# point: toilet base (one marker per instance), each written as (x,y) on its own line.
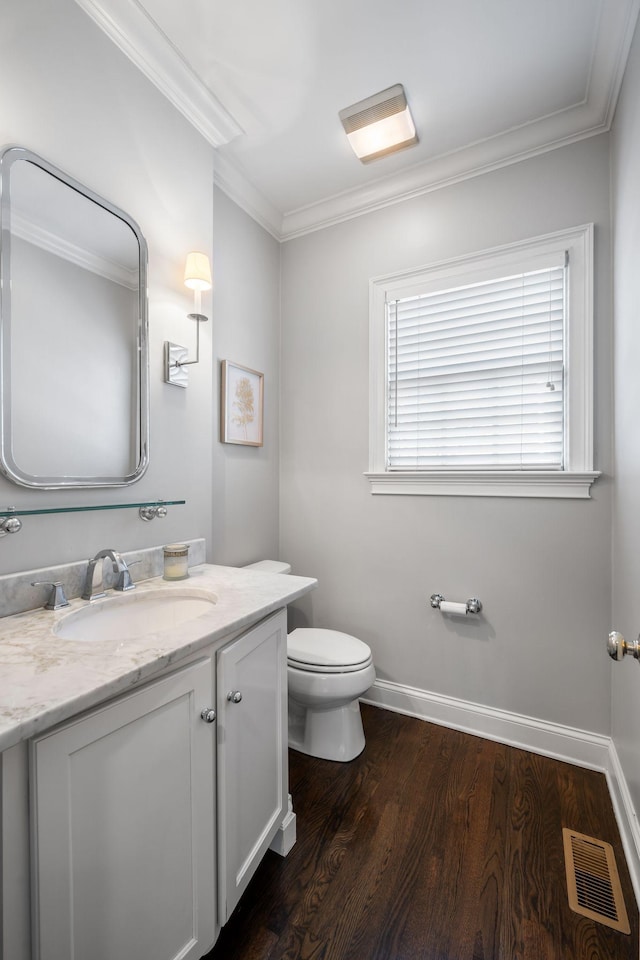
(334,733)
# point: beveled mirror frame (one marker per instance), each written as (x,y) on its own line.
(139,430)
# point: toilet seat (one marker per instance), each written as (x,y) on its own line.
(315,650)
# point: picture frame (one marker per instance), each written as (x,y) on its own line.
(241,405)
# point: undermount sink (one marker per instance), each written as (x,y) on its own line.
(134,615)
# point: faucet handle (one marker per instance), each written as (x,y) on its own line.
(124,581)
(57,598)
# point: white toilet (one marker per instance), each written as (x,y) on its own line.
(327,672)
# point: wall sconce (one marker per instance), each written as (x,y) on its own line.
(379,125)
(197,276)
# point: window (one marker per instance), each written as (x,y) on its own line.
(481,373)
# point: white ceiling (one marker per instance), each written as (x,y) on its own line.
(488,81)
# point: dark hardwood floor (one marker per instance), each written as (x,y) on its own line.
(432,845)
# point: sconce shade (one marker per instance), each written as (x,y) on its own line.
(379,125)
(197,272)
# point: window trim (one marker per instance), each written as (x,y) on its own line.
(575,480)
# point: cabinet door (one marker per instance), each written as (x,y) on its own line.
(252,753)
(123,812)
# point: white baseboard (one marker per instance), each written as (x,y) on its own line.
(550,739)
(625,815)
(580,747)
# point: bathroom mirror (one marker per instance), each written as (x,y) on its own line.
(73,332)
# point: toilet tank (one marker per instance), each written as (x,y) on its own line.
(269,566)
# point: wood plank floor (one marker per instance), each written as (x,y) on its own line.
(432,845)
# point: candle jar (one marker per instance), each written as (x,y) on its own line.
(176,561)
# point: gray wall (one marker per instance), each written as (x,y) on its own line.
(71,96)
(246,330)
(67,93)
(626,511)
(541,567)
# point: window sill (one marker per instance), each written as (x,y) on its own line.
(485,483)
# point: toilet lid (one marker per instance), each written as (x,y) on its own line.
(269,566)
(315,648)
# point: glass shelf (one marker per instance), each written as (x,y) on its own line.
(13,512)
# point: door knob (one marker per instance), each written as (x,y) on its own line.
(234,696)
(618,647)
(208,715)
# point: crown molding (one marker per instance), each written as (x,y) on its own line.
(139,37)
(515,145)
(238,188)
(522,143)
(611,51)
(594,115)
(26,229)
(505,149)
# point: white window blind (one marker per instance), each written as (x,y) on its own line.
(475,375)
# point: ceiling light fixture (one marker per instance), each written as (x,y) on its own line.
(379,125)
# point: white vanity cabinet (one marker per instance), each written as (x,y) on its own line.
(129,855)
(252,753)
(122,805)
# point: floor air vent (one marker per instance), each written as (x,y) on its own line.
(593,883)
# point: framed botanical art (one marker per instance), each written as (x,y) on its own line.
(241,405)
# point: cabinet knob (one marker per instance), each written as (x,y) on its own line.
(208,715)
(234,696)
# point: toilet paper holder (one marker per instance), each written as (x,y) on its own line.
(473,605)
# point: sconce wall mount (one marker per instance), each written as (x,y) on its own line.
(197,276)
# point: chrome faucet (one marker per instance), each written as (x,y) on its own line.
(92,590)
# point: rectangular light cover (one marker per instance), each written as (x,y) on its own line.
(382,137)
(379,125)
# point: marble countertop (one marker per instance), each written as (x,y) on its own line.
(45,679)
